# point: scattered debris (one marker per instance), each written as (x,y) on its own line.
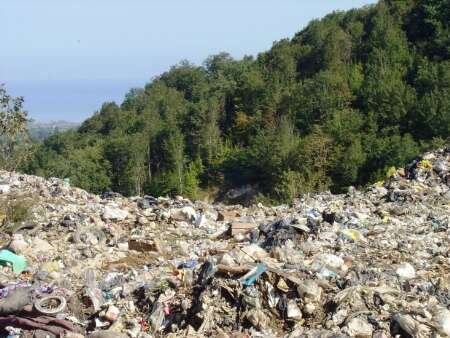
(373,263)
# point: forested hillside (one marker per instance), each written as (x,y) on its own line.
(343,100)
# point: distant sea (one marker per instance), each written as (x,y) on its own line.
(71,101)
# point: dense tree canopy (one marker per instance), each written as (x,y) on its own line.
(347,97)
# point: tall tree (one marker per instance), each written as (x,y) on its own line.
(14,140)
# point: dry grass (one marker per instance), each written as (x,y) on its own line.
(16,209)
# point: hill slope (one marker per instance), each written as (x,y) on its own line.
(372,263)
(343,100)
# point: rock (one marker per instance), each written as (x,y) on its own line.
(43,334)
(38,244)
(114,213)
(380,334)
(340,316)
(241,227)
(406,271)
(227,215)
(107,334)
(201,221)
(186,214)
(73,335)
(112,314)
(142,220)
(407,324)
(4,188)
(293,311)
(310,290)
(441,321)
(15,301)
(250,254)
(18,244)
(358,327)
(258,318)
(144,245)
(244,191)
(144,203)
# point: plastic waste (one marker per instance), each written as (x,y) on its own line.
(92,292)
(272,297)
(438,225)
(328,265)
(189,264)
(207,271)
(18,263)
(4,292)
(157,316)
(282,286)
(352,234)
(13,332)
(251,277)
(251,297)
(369,263)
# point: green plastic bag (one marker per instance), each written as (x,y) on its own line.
(18,263)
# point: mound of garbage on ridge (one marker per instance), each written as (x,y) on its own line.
(373,263)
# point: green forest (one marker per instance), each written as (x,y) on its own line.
(347,97)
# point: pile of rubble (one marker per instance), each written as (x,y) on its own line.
(364,264)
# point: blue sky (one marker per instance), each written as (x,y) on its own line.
(67,57)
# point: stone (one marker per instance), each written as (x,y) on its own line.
(186,214)
(39,244)
(358,327)
(227,215)
(293,311)
(441,321)
(114,213)
(201,221)
(406,271)
(18,244)
(143,245)
(5,188)
(309,289)
(112,313)
(241,227)
(107,334)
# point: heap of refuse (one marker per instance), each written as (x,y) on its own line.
(373,263)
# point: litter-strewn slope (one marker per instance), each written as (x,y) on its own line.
(366,264)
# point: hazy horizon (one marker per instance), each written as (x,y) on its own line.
(67,58)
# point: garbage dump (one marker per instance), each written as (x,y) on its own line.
(372,263)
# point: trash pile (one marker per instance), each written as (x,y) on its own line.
(373,263)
